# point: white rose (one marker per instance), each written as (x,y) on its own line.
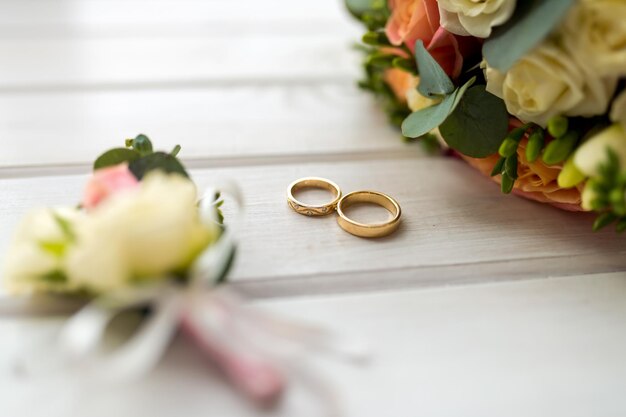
(475,18)
(143,233)
(594,32)
(35,258)
(548,82)
(618,110)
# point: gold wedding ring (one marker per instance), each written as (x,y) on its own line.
(309,209)
(371,229)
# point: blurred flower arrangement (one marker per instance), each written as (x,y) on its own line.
(144,252)
(138,222)
(531,93)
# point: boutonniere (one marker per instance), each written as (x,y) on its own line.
(143,242)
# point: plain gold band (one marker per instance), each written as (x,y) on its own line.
(308,209)
(372,229)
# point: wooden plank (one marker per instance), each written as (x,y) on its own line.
(456,228)
(32,64)
(214,125)
(100,16)
(540,347)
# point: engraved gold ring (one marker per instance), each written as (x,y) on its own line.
(369,229)
(309,209)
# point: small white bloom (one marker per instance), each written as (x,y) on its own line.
(475,18)
(548,82)
(591,154)
(35,256)
(594,32)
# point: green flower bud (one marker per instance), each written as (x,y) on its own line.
(375,39)
(381,60)
(559,149)
(510,166)
(508,147)
(141,144)
(404,64)
(603,220)
(507,184)
(497,168)
(557,126)
(570,176)
(534,146)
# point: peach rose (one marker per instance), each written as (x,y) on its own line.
(107,181)
(419,19)
(536,180)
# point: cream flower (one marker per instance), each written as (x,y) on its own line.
(594,32)
(547,82)
(475,18)
(35,257)
(143,233)
(591,154)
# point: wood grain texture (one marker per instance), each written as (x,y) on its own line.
(215,126)
(532,348)
(456,228)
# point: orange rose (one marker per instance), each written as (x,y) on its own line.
(419,19)
(536,180)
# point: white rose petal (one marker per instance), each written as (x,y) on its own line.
(548,82)
(142,233)
(475,18)
(27,261)
(591,154)
(594,32)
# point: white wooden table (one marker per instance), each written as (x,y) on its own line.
(263,93)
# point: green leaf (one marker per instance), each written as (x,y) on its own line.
(603,220)
(498,167)
(433,80)
(510,166)
(358,7)
(141,144)
(506,186)
(478,125)
(531,23)
(423,121)
(156,161)
(115,157)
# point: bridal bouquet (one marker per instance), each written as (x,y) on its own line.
(531,93)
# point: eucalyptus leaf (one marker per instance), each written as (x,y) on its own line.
(115,157)
(532,23)
(358,7)
(433,80)
(156,161)
(478,125)
(423,121)
(142,144)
